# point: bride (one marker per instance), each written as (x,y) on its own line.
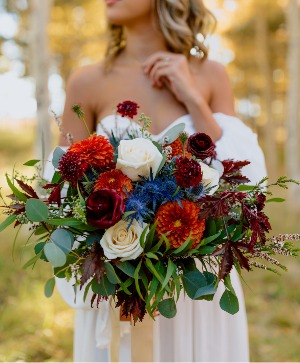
(148,61)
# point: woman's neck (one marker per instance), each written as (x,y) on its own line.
(141,41)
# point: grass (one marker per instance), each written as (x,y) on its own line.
(34,328)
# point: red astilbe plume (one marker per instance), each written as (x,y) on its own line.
(116,180)
(96,150)
(72,167)
(180,223)
(127,109)
(131,306)
(188,173)
(232,171)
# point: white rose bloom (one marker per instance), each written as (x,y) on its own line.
(210,177)
(137,156)
(121,241)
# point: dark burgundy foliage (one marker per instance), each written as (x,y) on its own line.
(54,196)
(127,109)
(99,299)
(93,264)
(214,207)
(188,172)
(18,208)
(104,208)
(131,305)
(28,189)
(226,262)
(232,172)
(201,146)
(243,260)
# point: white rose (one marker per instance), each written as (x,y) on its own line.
(121,241)
(210,178)
(137,156)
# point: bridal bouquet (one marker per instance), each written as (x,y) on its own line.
(140,220)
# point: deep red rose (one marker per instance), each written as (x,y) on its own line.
(201,146)
(104,208)
(188,172)
(127,109)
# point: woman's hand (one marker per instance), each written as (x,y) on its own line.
(173,71)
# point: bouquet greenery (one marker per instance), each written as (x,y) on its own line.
(140,221)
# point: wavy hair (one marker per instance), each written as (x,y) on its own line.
(180,22)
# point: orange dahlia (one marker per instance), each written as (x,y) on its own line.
(96,150)
(116,180)
(177,149)
(180,222)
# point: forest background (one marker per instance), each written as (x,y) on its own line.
(41,42)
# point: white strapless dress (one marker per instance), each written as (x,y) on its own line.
(200,331)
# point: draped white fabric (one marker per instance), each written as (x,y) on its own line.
(200,331)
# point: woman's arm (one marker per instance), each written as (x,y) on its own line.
(78,91)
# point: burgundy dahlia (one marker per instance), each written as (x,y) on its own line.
(127,109)
(72,167)
(188,172)
(201,146)
(104,208)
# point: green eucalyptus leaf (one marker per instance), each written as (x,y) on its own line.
(111,273)
(192,281)
(63,239)
(205,291)
(105,288)
(49,287)
(54,254)
(167,308)
(229,302)
(173,133)
(57,155)
(127,268)
(36,210)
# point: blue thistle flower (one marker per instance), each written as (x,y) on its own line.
(194,193)
(137,204)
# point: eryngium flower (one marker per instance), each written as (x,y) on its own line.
(188,172)
(104,208)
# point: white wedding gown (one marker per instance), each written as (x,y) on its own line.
(200,331)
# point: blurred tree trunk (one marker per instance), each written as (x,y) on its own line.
(263,63)
(293,118)
(40,10)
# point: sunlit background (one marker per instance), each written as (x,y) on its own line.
(41,42)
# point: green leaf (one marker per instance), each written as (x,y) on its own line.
(162,163)
(32,261)
(127,268)
(136,279)
(184,247)
(228,284)
(152,269)
(57,155)
(111,273)
(105,288)
(63,239)
(36,210)
(150,238)
(206,250)
(8,221)
(209,239)
(49,287)
(39,247)
(156,144)
(16,191)
(192,281)
(153,288)
(276,200)
(54,254)
(40,230)
(152,255)
(86,290)
(170,269)
(211,227)
(142,238)
(205,291)
(177,284)
(229,302)
(167,308)
(31,162)
(56,177)
(173,133)
(71,222)
(156,247)
(244,188)
(127,214)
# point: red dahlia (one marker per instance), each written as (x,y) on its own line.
(127,109)
(116,180)
(96,150)
(180,222)
(188,172)
(72,167)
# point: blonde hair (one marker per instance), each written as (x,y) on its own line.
(180,22)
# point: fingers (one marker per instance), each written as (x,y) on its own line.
(161,68)
(153,59)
